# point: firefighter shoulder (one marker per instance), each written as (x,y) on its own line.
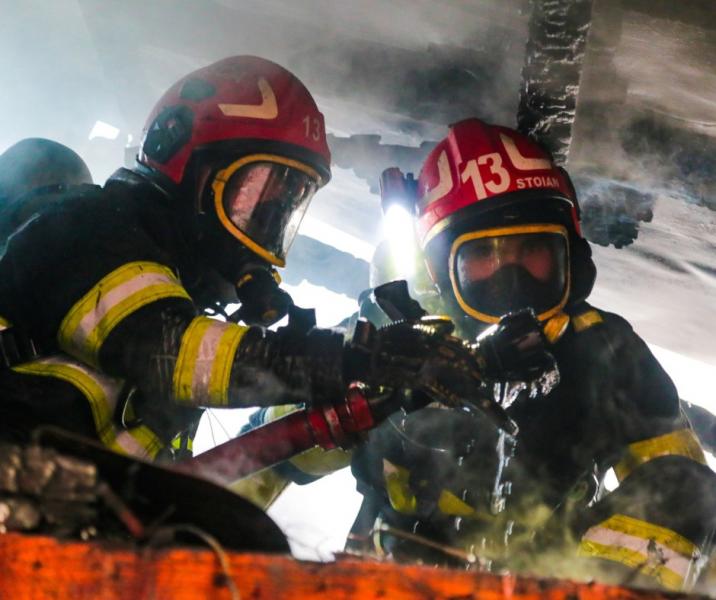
(498,224)
(104,290)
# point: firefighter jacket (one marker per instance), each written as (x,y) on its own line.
(102,280)
(454,479)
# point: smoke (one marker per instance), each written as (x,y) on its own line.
(646,114)
(612,210)
(436,84)
(656,158)
(684,160)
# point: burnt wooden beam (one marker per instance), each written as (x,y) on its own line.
(552,71)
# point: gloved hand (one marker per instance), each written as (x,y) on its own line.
(309,364)
(396,353)
(415,362)
(317,365)
(408,364)
(515,349)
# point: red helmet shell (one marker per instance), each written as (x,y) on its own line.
(237,98)
(477,162)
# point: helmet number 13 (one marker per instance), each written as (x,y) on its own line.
(312,127)
(499,180)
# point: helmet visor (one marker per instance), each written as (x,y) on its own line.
(495,272)
(262,201)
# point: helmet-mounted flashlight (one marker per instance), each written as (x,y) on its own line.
(398,195)
(398,189)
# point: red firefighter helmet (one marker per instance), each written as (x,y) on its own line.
(249,136)
(498,222)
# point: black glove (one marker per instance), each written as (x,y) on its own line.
(515,349)
(309,364)
(415,362)
(408,364)
(396,352)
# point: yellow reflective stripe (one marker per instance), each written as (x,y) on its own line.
(403,499)
(677,443)
(100,390)
(223,362)
(203,368)
(262,488)
(102,393)
(555,327)
(125,290)
(450,504)
(650,531)
(177,442)
(633,559)
(188,352)
(319,462)
(397,484)
(4,323)
(586,320)
(139,441)
(281,410)
(656,550)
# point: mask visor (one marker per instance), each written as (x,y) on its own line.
(498,271)
(262,199)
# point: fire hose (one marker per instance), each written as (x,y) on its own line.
(327,426)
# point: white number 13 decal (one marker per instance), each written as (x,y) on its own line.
(499,182)
(312,127)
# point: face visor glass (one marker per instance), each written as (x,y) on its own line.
(494,273)
(262,203)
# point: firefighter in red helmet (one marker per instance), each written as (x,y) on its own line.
(104,290)
(498,224)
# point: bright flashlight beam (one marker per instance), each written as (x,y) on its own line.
(398,230)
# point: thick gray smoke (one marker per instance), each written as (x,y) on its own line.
(646,114)
(663,159)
